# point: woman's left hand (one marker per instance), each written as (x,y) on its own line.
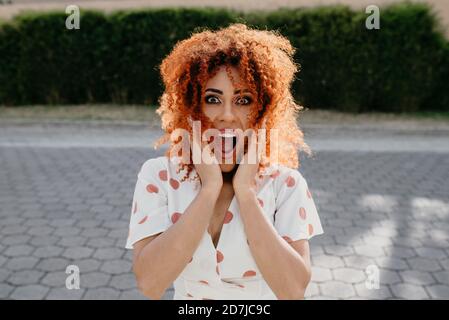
(245,177)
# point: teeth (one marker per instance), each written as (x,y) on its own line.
(227,135)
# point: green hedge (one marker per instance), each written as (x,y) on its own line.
(114,58)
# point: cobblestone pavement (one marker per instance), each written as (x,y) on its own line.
(65,198)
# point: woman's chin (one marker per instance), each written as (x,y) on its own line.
(225,167)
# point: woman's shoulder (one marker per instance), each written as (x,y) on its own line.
(282,172)
(157,166)
(284,178)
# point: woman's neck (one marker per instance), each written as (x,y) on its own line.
(227,176)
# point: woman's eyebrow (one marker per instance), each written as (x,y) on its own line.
(214,90)
(221,92)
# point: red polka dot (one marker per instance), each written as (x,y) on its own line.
(220,256)
(143,220)
(175,216)
(135,207)
(290,181)
(288,239)
(151,188)
(174,184)
(163,175)
(260,202)
(228,217)
(204,282)
(249,273)
(309,195)
(275,174)
(302,213)
(310,227)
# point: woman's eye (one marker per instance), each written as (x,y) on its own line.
(243,100)
(212,100)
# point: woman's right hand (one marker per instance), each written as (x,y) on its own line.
(208,169)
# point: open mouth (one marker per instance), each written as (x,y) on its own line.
(228,145)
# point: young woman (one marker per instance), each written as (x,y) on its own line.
(226,229)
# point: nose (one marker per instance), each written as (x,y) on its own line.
(227,114)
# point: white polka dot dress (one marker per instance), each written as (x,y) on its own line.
(229,270)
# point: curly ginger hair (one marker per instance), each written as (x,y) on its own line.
(265,63)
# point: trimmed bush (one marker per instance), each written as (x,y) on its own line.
(403,67)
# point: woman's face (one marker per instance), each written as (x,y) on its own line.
(227,109)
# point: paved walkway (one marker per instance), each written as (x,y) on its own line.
(66,190)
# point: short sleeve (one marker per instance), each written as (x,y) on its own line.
(149,212)
(296,216)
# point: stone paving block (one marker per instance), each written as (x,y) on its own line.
(4,274)
(392,263)
(399,252)
(417,277)
(409,291)
(11,230)
(55,279)
(30,292)
(62,222)
(320,274)
(94,232)
(88,265)
(116,266)
(423,264)
(369,251)
(312,290)
(373,294)
(338,250)
(15,239)
(18,250)
(442,277)
(108,253)
(431,253)
(5,290)
(44,240)
(35,222)
(48,252)
(65,294)
(67,231)
(53,264)
(88,223)
(3,259)
(123,281)
(94,279)
(72,241)
(358,262)
(337,289)
(348,275)
(77,253)
(132,294)
(438,291)
(445,264)
(389,276)
(376,240)
(101,294)
(327,261)
(21,263)
(40,231)
(25,277)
